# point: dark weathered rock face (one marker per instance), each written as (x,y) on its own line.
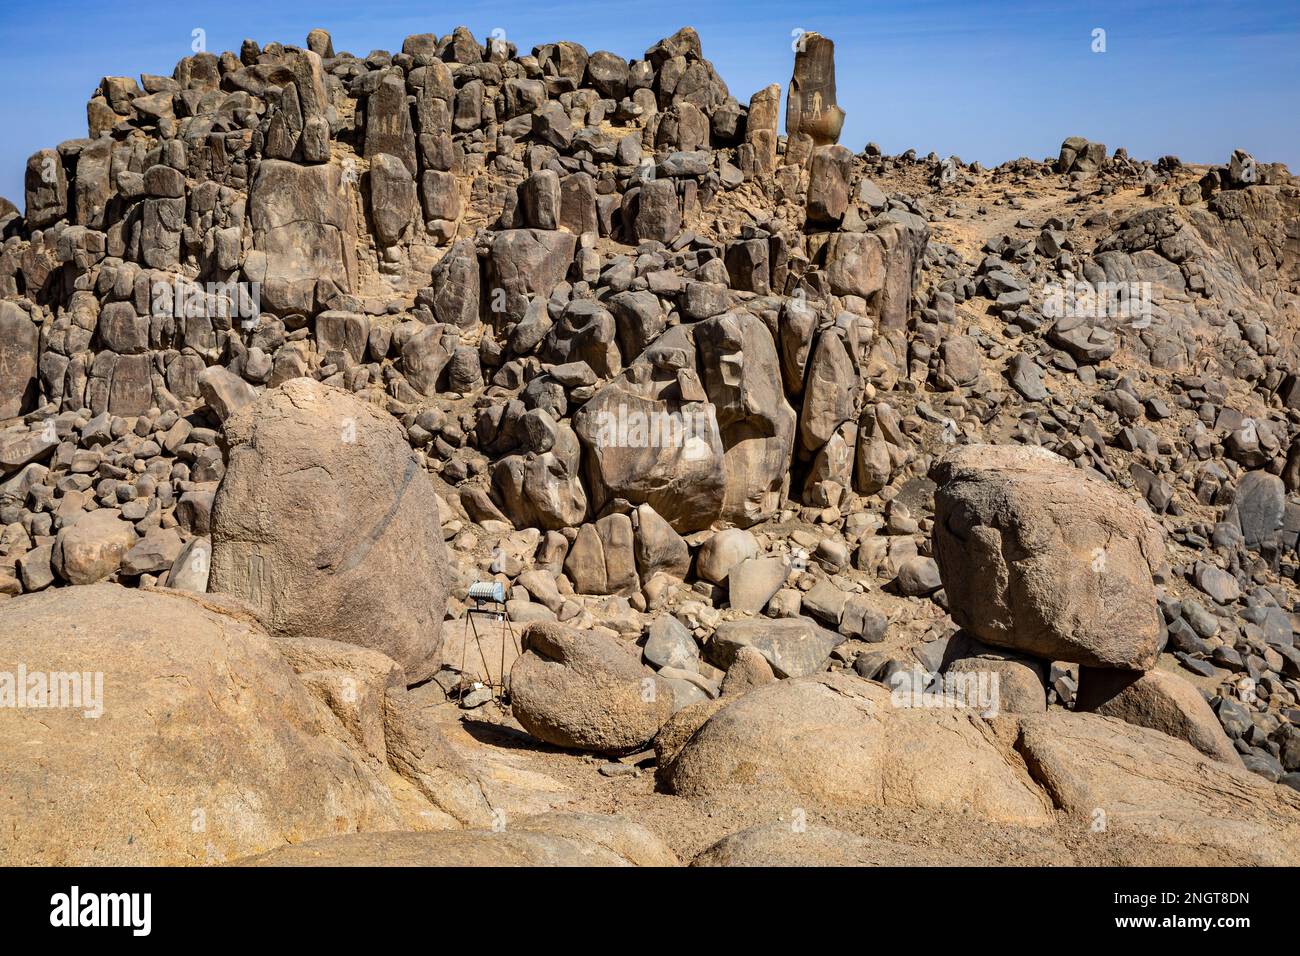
(225,263)
(811,108)
(19,352)
(303,231)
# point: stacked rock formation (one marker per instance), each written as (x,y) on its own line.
(761,436)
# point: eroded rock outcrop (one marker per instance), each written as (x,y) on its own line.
(732,414)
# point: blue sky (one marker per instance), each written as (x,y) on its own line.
(982,80)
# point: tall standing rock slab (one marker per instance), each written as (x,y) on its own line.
(392,198)
(523,263)
(131,393)
(328,526)
(454,286)
(1037,557)
(904,237)
(321,43)
(304,231)
(19,340)
(828,185)
(659,214)
(760,128)
(298,129)
(1259,507)
(741,373)
(810,106)
(647,440)
(681,478)
(94,187)
(388,123)
(830,392)
(46,186)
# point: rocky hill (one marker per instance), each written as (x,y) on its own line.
(847,508)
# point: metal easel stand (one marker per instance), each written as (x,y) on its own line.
(489,601)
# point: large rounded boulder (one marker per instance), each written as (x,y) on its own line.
(327,524)
(585,691)
(92,548)
(145,729)
(1038,557)
(835,740)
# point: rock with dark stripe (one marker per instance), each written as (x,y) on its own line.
(328,525)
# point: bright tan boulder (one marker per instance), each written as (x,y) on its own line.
(1104,773)
(549,839)
(749,669)
(627,838)
(679,728)
(326,523)
(792,646)
(468,848)
(208,746)
(724,551)
(1160,700)
(837,740)
(1020,681)
(93,548)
